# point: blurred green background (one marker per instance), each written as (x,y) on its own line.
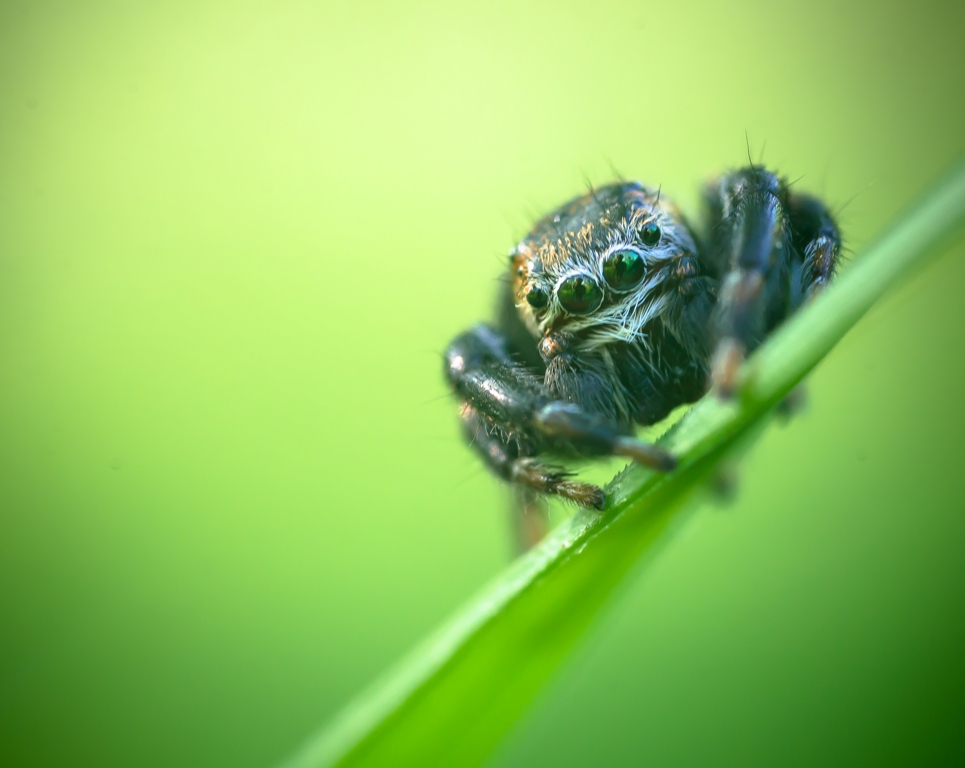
(234,240)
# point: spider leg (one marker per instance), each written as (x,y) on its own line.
(816,247)
(772,251)
(748,237)
(510,419)
(567,422)
(504,460)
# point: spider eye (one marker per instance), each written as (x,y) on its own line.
(537,298)
(650,234)
(623,269)
(579,295)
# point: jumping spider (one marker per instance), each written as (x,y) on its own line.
(617,311)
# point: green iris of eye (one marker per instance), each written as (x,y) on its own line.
(579,295)
(623,269)
(650,234)
(537,298)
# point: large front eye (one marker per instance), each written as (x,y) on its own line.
(579,295)
(623,269)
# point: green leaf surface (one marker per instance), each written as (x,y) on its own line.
(453,699)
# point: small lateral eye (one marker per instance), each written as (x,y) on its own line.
(623,269)
(579,295)
(650,234)
(537,297)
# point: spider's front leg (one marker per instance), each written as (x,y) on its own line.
(507,454)
(510,419)
(772,250)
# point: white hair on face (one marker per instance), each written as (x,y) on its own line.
(623,316)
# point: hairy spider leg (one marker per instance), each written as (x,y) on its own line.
(772,250)
(503,459)
(509,419)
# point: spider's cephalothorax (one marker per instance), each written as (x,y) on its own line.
(616,312)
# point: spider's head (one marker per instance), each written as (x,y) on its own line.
(602,266)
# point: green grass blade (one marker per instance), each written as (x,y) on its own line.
(452,700)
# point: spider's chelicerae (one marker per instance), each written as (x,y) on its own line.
(617,311)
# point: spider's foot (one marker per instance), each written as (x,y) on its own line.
(541,477)
(728,358)
(584,494)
